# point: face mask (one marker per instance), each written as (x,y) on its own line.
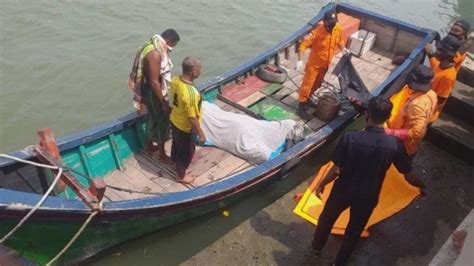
(329,26)
(457,31)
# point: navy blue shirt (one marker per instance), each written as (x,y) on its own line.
(364,157)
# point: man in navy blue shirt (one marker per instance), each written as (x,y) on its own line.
(361,160)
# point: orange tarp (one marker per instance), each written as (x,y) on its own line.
(396,194)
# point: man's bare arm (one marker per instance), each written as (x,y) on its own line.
(152,73)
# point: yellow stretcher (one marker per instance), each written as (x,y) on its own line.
(395,195)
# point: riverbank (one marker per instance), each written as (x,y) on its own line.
(275,236)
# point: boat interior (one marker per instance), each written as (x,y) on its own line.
(132,173)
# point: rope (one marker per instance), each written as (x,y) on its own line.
(28,162)
(73,239)
(292,81)
(40,202)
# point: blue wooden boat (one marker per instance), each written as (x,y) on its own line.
(141,195)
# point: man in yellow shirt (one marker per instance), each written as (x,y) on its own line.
(186,117)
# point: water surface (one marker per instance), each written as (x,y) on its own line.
(64,64)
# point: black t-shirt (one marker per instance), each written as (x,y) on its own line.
(364,157)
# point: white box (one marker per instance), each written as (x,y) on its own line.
(361,42)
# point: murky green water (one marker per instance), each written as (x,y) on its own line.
(64,65)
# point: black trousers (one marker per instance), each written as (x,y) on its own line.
(360,212)
(182,148)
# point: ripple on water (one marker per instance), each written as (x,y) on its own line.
(71,59)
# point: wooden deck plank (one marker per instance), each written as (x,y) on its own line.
(227,107)
(221,170)
(291,100)
(294,83)
(238,170)
(111,195)
(137,176)
(206,158)
(315,124)
(283,93)
(159,174)
(379,58)
(237,92)
(120,180)
(272,88)
(243,167)
(251,99)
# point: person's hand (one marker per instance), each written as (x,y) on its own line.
(357,104)
(166,107)
(458,238)
(202,139)
(346,51)
(354,101)
(319,190)
(299,65)
(389,131)
(141,109)
(402,134)
(430,49)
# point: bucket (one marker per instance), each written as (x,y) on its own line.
(328,107)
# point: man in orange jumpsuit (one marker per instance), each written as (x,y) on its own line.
(411,121)
(323,41)
(460,30)
(444,70)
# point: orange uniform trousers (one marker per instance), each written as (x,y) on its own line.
(323,46)
(312,80)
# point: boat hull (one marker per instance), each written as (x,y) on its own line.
(46,236)
(59,218)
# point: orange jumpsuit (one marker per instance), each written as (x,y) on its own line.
(443,83)
(415,115)
(323,46)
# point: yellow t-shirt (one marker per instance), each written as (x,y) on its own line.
(186,103)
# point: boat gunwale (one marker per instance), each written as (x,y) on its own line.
(208,191)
